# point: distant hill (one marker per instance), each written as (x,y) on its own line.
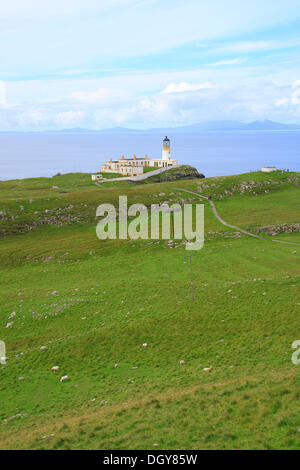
(212,126)
(233,126)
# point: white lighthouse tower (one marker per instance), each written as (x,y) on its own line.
(166,150)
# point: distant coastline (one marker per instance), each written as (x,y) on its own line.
(209,126)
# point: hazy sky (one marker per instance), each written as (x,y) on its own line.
(147,63)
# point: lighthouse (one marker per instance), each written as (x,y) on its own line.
(166,150)
(135,166)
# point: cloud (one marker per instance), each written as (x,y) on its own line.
(2,92)
(56,8)
(224,63)
(281,102)
(45,36)
(102,95)
(147,63)
(3,96)
(184,87)
(296,93)
(256,46)
(152,99)
(70,118)
(292,99)
(236,102)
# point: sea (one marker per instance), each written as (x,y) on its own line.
(212,153)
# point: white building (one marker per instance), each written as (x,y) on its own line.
(97,177)
(135,166)
(268,169)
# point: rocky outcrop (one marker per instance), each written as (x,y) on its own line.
(276,229)
(176,173)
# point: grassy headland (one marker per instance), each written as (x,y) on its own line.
(88,306)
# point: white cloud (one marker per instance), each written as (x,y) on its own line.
(3,96)
(296,93)
(44,36)
(70,117)
(55,8)
(292,99)
(102,95)
(256,46)
(242,102)
(183,87)
(224,63)
(187,97)
(3,93)
(281,102)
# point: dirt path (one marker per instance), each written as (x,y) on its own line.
(142,177)
(219,218)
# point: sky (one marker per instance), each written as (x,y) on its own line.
(147,63)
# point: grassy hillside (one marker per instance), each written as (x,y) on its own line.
(88,306)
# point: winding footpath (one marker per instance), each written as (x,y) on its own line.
(142,177)
(219,218)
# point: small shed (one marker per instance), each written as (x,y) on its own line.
(268,169)
(97,177)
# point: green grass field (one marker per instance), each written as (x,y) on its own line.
(92,304)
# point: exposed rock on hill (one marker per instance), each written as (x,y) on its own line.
(178,173)
(276,229)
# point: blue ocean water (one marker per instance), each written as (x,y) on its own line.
(212,153)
